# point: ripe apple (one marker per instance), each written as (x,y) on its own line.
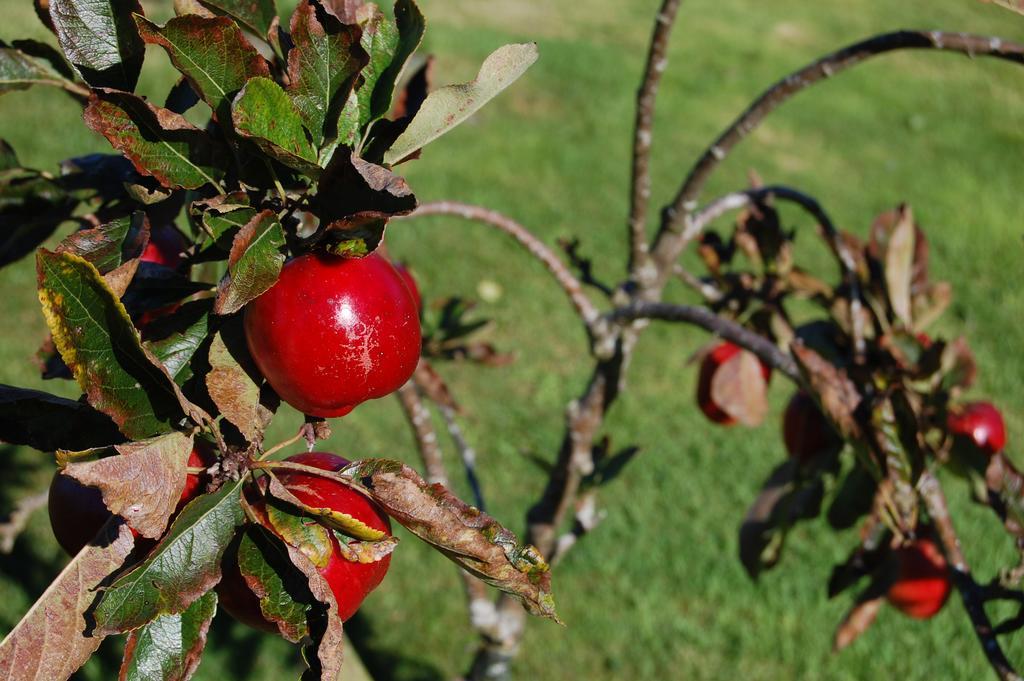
(981,424)
(77,512)
(166,247)
(350,582)
(922,582)
(410,283)
(805,430)
(712,361)
(334,332)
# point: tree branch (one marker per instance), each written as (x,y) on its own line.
(569,283)
(668,244)
(466,453)
(426,437)
(720,326)
(640,194)
(18,518)
(971,592)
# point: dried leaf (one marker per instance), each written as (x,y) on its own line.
(449,106)
(232,387)
(170,647)
(465,535)
(354,192)
(143,482)
(899,265)
(55,637)
(739,388)
(433,385)
(856,622)
(836,393)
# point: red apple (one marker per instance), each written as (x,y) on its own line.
(166,247)
(77,512)
(805,430)
(712,361)
(981,424)
(410,283)
(334,332)
(350,582)
(922,582)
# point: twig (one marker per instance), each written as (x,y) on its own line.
(847,266)
(640,194)
(583,265)
(971,592)
(426,437)
(569,283)
(706,289)
(466,453)
(18,518)
(588,517)
(668,244)
(720,326)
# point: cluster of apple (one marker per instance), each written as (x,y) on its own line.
(360,318)
(921,584)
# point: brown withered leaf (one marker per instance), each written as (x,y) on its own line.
(958,366)
(354,192)
(899,264)
(465,535)
(856,622)
(346,10)
(119,278)
(930,303)
(143,482)
(836,393)
(358,551)
(232,387)
(51,640)
(740,389)
(434,386)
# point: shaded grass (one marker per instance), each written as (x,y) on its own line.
(657,591)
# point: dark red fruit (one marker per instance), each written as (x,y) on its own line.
(981,424)
(350,582)
(77,512)
(805,430)
(722,353)
(922,582)
(334,332)
(410,283)
(166,247)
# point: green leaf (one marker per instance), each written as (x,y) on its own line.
(100,38)
(97,341)
(175,348)
(158,142)
(411,25)
(256,15)
(322,67)
(8,157)
(284,597)
(19,71)
(109,246)
(48,423)
(446,108)
(170,647)
(51,641)
(232,387)
(211,52)
(183,566)
(254,264)
(380,41)
(142,482)
(463,534)
(264,114)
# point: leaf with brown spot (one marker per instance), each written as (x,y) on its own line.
(170,647)
(836,393)
(232,387)
(465,535)
(98,342)
(342,522)
(50,642)
(254,264)
(739,388)
(354,192)
(143,482)
(158,142)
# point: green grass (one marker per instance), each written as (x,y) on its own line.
(657,591)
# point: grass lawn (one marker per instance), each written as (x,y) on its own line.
(657,591)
